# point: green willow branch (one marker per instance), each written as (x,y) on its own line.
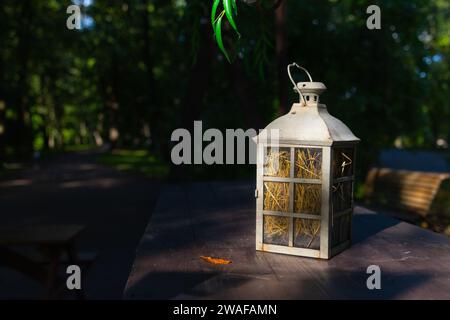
(229,10)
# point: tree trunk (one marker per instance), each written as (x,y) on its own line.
(197,85)
(198,81)
(153,99)
(3,105)
(281,54)
(23,134)
(246,96)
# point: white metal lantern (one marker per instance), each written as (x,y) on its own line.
(304,195)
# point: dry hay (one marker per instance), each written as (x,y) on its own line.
(342,195)
(278,227)
(275,226)
(276,196)
(307,198)
(307,227)
(308,163)
(277,162)
(342,162)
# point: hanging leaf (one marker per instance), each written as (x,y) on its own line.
(215,260)
(218,34)
(234,6)
(228,7)
(214,11)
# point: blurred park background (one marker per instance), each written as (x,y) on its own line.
(113,91)
(138,69)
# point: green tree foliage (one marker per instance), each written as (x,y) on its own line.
(140,68)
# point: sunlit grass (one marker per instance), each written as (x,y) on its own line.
(79,147)
(9,168)
(136,161)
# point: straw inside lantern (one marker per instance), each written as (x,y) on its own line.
(307,197)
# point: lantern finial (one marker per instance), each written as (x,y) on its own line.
(309,91)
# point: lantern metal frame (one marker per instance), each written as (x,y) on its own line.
(327,216)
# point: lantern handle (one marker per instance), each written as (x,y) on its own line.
(302,99)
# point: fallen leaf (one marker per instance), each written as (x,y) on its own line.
(215,260)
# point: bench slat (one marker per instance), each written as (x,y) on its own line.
(406,190)
(44,235)
(410,192)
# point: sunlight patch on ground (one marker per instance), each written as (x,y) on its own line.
(95,183)
(16,183)
(137,161)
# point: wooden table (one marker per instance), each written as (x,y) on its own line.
(218,219)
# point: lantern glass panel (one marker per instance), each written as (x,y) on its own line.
(308,163)
(277,162)
(276,196)
(307,198)
(307,233)
(276,230)
(343,162)
(340,231)
(342,196)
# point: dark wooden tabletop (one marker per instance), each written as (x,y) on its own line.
(218,219)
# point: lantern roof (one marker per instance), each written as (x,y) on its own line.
(308,125)
(308,122)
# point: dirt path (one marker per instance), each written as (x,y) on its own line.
(73,189)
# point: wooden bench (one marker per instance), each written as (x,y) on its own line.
(54,245)
(409,191)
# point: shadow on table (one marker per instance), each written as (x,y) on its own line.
(166,285)
(344,284)
(335,284)
(368,223)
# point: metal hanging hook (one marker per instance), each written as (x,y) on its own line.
(302,99)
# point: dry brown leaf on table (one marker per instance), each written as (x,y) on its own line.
(215,260)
